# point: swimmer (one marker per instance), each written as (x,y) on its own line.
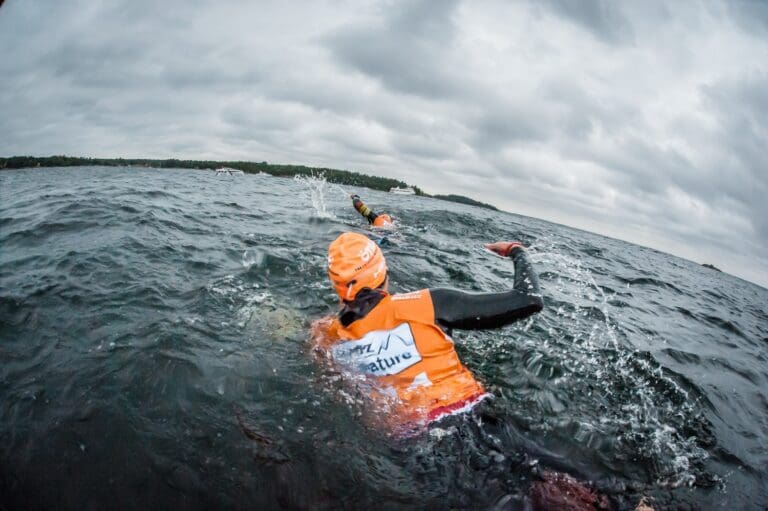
(401,342)
(375,219)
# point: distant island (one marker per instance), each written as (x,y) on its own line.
(711,266)
(465,200)
(343,177)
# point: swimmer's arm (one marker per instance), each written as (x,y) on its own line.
(363,209)
(322,332)
(478,311)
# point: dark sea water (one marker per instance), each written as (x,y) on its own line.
(154,355)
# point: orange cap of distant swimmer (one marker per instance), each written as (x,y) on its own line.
(383,220)
(355,262)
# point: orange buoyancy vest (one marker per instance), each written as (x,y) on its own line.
(400,345)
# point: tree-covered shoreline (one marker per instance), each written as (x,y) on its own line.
(465,200)
(342,177)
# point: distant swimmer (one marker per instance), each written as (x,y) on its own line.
(401,342)
(375,219)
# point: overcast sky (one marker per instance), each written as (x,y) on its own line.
(645,121)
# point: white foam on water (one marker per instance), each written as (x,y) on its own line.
(648,421)
(253,303)
(440,433)
(644,422)
(251,257)
(318,189)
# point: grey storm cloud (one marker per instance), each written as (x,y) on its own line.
(602,18)
(640,120)
(741,107)
(405,50)
(752,15)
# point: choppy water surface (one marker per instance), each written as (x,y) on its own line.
(153,355)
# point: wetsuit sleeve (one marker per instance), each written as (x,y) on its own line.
(364,210)
(478,311)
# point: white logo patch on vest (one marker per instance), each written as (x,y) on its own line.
(380,353)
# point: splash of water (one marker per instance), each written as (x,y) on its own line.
(251,257)
(319,189)
(650,423)
(645,409)
(344,193)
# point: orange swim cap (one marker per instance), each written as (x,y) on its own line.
(355,262)
(383,220)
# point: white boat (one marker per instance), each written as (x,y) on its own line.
(403,191)
(226,171)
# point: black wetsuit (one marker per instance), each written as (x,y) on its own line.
(466,310)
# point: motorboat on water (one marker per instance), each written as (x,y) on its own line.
(402,191)
(226,171)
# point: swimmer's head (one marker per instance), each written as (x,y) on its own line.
(383,220)
(355,262)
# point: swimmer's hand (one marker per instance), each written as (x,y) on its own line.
(503,248)
(322,334)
